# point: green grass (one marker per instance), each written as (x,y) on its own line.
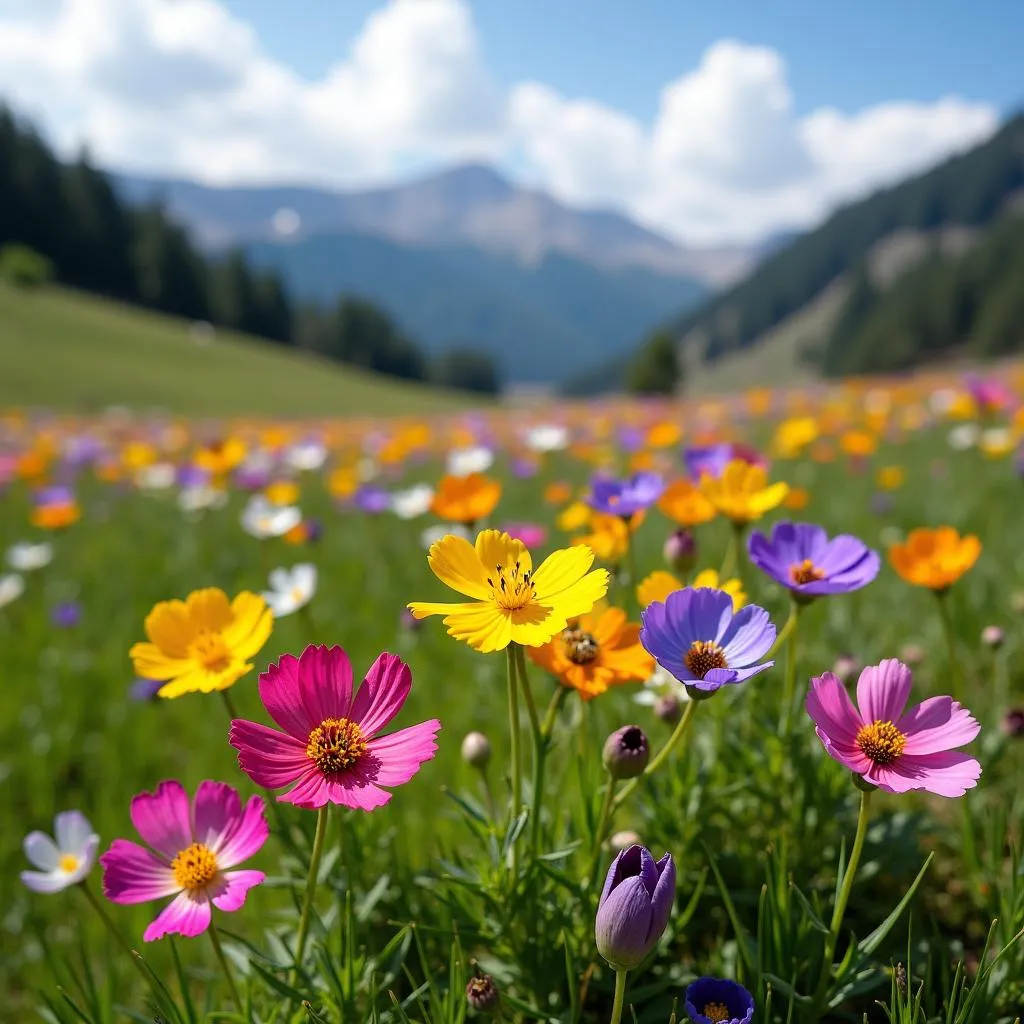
(69,351)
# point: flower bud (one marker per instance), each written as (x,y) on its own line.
(680,551)
(482,993)
(626,752)
(911,654)
(1013,723)
(635,906)
(846,667)
(476,750)
(668,708)
(992,636)
(623,840)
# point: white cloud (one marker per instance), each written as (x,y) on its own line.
(185,87)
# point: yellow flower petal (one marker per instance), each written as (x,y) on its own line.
(252,626)
(150,662)
(454,561)
(494,548)
(658,585)
(561,569)
(168,626)
(209,609)
(581,596)
(483,626)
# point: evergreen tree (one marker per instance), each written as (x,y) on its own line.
(656,369)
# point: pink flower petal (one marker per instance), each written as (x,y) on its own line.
(188,914)
(281,696)
(938,723)
(246,835)
(310,792)
(325,684)
(215,809)
(356,789)
(163,818)
(382,694)
(234,888)
(401,753)
(947,773)
(133,874)
(270,758)
(882,690)
(832,711)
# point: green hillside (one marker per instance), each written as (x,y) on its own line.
(67,350)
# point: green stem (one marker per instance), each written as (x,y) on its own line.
(219,950)
(602,827)
(783,634)
(950,634)
(513,728)
(229,704)
(531,707)
(620,996)
(841,901)
(630,562)
(307,903)
(789,683)
(134,956)
(540,749)
(555,705)
(732,552)
(670,744)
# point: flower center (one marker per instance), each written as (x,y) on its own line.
(68,863)
(210,651)
(580,647)
(716,1012)
(511,590)
(335,744)
(298,595)
(806,572)
(703,656)
(881,741)
(194,867)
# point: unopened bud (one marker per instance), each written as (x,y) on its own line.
(626,752)
(680,551)
(1013,723)
(992,636)
(482,993)
(476,750)
(668,708)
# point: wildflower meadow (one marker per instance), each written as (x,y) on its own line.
(705,710)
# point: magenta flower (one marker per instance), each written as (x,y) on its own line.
(893,750)
(331,747)
(194,850)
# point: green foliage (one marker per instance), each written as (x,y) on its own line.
(655,369)
(467,369)
(24,267)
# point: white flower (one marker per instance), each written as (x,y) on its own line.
(11,588)
(262,519)
(24,557)
(156,477)
(661,683)
(200,497)
(433,534)
(64,862)
(309,455)
(964,436)
(463,461)
(413,501)
(291,589)
(547,437)
(942,400)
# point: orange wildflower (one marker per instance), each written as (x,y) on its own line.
(934,558)
(890,478)
(797,499)
(465,499)
(683,502)
(557,493)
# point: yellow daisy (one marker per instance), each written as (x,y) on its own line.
(512,601)
(659,584)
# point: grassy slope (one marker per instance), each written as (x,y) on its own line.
(71,351)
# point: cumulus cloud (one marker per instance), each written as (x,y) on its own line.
(185,87)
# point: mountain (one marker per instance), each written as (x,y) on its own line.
(541,321)
(470,205)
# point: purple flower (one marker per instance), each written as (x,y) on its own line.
(635,906)
(626,497)
(55,495)
(372,500)
(66,615)
(801,557)
(718,1001)
(190,475)
(524,469)
(711,459)
(631,439)
(695,635)
(145,689)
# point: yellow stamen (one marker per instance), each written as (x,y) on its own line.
(716,1012)
(703,656)
(68,863)
(298,595)
(806,572)
(511,590)
(335,744)
(195,867)
(210,651)
(881,741)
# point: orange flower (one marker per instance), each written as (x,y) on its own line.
(797,499)
(609,535)
(465,499)
(858,443)
(557,493)
(890,477)
(934,558)
(220,457)
(343,482)
(664,434)
(594,652)
(683,503)
(282,492)
(57,516)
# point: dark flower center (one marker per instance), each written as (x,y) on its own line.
(716,1012)
(806,572)
(335,744)
(703,656)
(632,740)
(580,647)
(881,741)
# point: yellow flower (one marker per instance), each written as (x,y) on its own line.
(220,457)
(683,502)
(934,558)
(512,602)
(792,436)
(282,492)
(890,478)
(660,584)
(574,516)
(742,492)
(664,434)
(202,643)
(609,535)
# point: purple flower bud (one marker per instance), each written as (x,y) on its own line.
(482,993)
(626,752)
(1013,723)
(635,906)
(718,1001)
(669,708)
(680,551)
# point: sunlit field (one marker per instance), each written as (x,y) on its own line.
(449,882)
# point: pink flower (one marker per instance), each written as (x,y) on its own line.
(195,849)
(893,750)
(533,535)
(331,747)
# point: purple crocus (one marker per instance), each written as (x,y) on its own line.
(635,906)
(718,1001)
(626,497)
(695,636)
(802,557)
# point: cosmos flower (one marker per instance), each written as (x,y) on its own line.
(893,749)
(742,492)
(718,1001)
(532,535)
(195,851)
(547,437)
(12,586)
(683,502)
(934,558)
(291,589)
(465,499)
(64,860)
(332,750)
(659,584)
(413,501)
(609,535)
(625,497)
(202,643)
(594,652)
(27,557)
(805,560)
(511,601)
(469,461)
(697,636)
(263,519)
